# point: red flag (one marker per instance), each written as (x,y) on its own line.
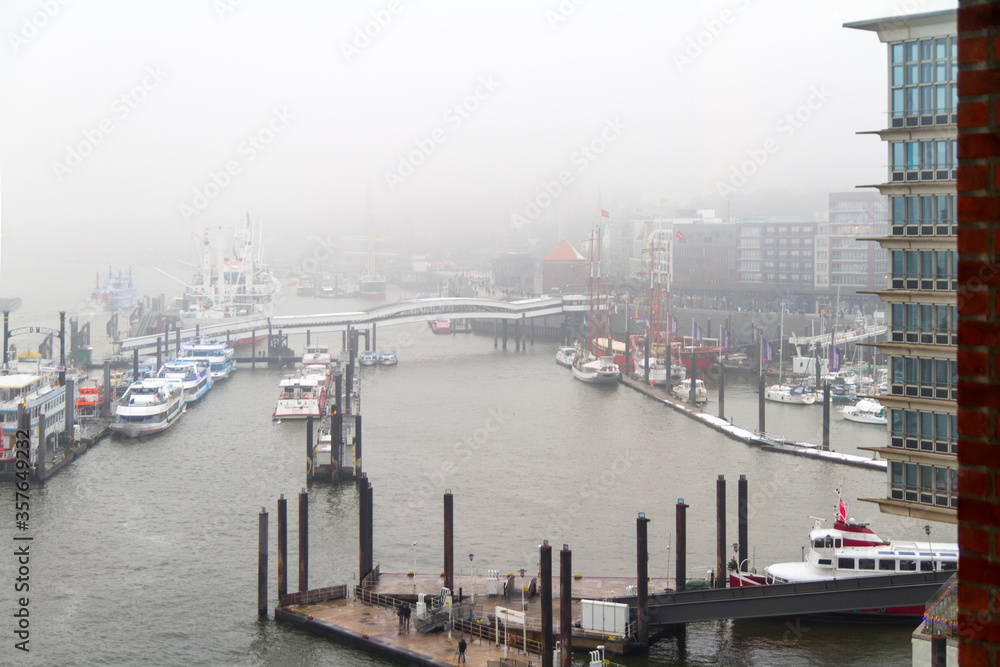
(679,235)
(842,511)
(605,214)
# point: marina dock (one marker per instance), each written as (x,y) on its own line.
(765,442)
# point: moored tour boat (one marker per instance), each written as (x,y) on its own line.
(317,354)
(41,394)
(300,396)
(368,358)
(388,358)
(867,411)
(682,391)
(148,406)
(851,550)
(118,292)
(658,371)
(602,370)
(194,375)
(220,357)
(781,393)
(441,326)
(565,354)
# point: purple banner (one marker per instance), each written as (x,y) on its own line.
(695,333)
(834,357)
(672,324)
(823,330)
(725,339)
(768,357)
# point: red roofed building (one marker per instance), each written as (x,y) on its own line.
(563,269)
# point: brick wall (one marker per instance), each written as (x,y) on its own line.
(979,331)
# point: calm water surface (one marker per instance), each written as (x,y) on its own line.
(145,552)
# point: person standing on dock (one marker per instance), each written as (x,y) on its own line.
(461,649)
(406,618)
(399,612)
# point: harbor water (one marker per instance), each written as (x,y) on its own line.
(146,551)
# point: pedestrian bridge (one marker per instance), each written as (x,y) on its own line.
(403,312)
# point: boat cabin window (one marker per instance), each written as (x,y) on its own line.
(845,563)
(824,561)
(907,565)
(949,565)
(866,563)
(926,566)
(818,544)
(884,564)
(837,543)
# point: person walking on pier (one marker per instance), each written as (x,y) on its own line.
(399,613)
(406,618)
(461,649)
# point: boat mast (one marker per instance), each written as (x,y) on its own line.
(781,341)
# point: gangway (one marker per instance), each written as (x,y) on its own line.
(850,336)
(780,600)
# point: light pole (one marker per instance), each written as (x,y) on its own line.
(524,617)
(471,556)
(927,531)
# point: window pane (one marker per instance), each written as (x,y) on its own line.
(897,76)
(897,422)
(897,100)
(897,52)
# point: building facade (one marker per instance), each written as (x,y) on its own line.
(845,259)
(921,138)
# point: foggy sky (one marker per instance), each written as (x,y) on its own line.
(290,110)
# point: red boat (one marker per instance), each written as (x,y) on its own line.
(441,326)
(90,398)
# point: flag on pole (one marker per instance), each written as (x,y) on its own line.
(647,323)
(725,339)
(834,357)
(605,214)
(695,333)
(768,357)
(823,329)
(672,325)
(841,511)
(679,235)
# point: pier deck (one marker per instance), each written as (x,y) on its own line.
(765,442)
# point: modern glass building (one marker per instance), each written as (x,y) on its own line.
(921,136)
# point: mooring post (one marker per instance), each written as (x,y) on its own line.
(642,577)
(338,389)
(107,387)
(494,334)
(303,541)
(177,340)
(694,376)
(566,607)
(826,416)
(722,391)
(42,451)
(670,363)
(62,349)
(135,365)
(939,650)
(680,578)
(310,452)
(708,328)
(6,336)
(546,586)
(517,335)
(262,564)
(370,525)
(744,518)
(760,404)
(449,541)
(358,470)
(308,337)
(362,526)
(645,358)
(282,548)
(532,325)
(720,532)
(374,346)
(505,334)
(159,352)
(70,412)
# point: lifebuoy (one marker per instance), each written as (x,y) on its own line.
(512,641)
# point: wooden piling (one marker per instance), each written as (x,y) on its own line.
(303,541)
(308,337)
(262,564)
(826,416)
(135,365)
(310,450)
(70,412)
(720,532)
(107,387)
(722,391)
(505,335)
(642,577)
(349,385)
(374,346)
(566,607)
(546,583)
(681,555)
(159,352)
(939,650)
(358,470)
(367,493)
(282,547)
(743,520)
(449,541)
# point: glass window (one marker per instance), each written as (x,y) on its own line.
(866,563)
(942,371)
(896,363)
(897,422)
(927,432)
(926,566)
(940,48)
(912,54)
(912,149)
(896,468)
(942,72)
(911,428)
(912,74)
(911,317)
(897,52)
(926,318)
(911,474)
(926,49)
(927,73)
(942,155)
(926,155)
(897,263)
(911,263)
(897,76)
(927,264)
(897,99)
(845,563)
(912,210)
(941,97)
(907,565)
(926,477)
(899,156)
(941,481)
(942,264)
(886,565)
